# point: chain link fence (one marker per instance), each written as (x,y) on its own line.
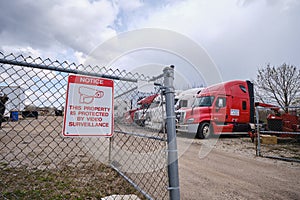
(37,162)
(278,133)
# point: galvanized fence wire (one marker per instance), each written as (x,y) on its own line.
(278,133)
(36,161)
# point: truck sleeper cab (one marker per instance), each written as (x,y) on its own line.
(222,108)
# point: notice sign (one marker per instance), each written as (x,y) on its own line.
(89,107)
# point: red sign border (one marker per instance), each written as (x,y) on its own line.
(109,83)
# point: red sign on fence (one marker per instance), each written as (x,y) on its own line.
(89,107)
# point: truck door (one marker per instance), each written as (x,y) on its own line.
(245,111)
(219,115)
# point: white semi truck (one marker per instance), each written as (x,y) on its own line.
(154,116)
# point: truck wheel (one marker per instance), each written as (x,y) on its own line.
(204,130)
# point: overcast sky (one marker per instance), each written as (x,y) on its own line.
(238,35)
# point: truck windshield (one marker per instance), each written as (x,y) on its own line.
(204,101)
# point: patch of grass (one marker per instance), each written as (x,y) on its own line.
(3,165)
(68,183)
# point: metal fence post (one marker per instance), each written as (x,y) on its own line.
(258,134)
(171,134)
(110,146)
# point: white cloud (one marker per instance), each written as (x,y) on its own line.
(56,27)
(128,5)
(239,35)
(80,57)
(82,25)
(24,50)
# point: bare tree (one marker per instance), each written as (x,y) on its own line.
(280,85)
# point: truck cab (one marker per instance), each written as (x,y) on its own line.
(222,108)
(186,98)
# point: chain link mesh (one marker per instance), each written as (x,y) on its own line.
(37,162)
(279,133)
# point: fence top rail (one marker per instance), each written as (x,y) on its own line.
(73,71)
(15,60)
(280,132)
(297,107)
(20,60)
(266,108)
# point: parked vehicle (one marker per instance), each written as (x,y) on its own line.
(155,116)
(138,114)
(279,123)
(222,108)
(152,116)
(186,98)
(29,114)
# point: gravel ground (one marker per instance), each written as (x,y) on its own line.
(227,168)
(217,168)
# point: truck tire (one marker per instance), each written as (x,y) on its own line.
(204,130)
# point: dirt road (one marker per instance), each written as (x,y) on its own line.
(225,175)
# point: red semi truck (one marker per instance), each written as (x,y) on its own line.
(222,108)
